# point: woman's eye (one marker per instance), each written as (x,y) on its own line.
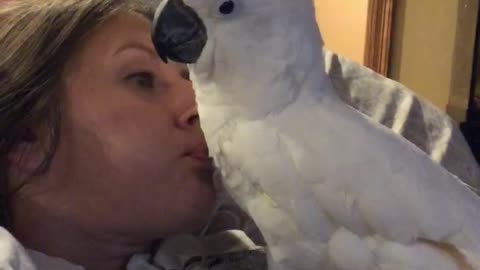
(142,79)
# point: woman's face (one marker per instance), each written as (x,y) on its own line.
(131,158)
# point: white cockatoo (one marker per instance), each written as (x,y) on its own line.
(328,187)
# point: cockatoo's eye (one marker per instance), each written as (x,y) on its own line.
(226,7)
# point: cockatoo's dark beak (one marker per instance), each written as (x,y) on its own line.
(178,33)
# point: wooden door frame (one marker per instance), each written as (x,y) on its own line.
(379,28)
(462,76)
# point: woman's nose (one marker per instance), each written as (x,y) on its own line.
(188,118)
(183,97)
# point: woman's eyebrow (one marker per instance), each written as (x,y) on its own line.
(136,46)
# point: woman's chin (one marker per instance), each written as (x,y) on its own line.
(201,204)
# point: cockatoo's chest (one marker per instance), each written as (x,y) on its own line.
(249,148)
(299,142)
(270,152)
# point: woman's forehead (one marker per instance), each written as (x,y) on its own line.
(107,39)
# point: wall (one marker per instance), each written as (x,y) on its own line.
(343,24)
(432,49)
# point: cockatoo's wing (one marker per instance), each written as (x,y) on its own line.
(393,105)
(367,191)
(399,196)
(348,251)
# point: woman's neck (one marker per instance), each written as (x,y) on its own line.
(56,237)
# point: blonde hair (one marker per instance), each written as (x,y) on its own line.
(37,38)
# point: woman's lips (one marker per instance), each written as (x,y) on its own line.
(201,156)
(201,162)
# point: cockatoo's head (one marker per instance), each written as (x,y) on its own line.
(242,53)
